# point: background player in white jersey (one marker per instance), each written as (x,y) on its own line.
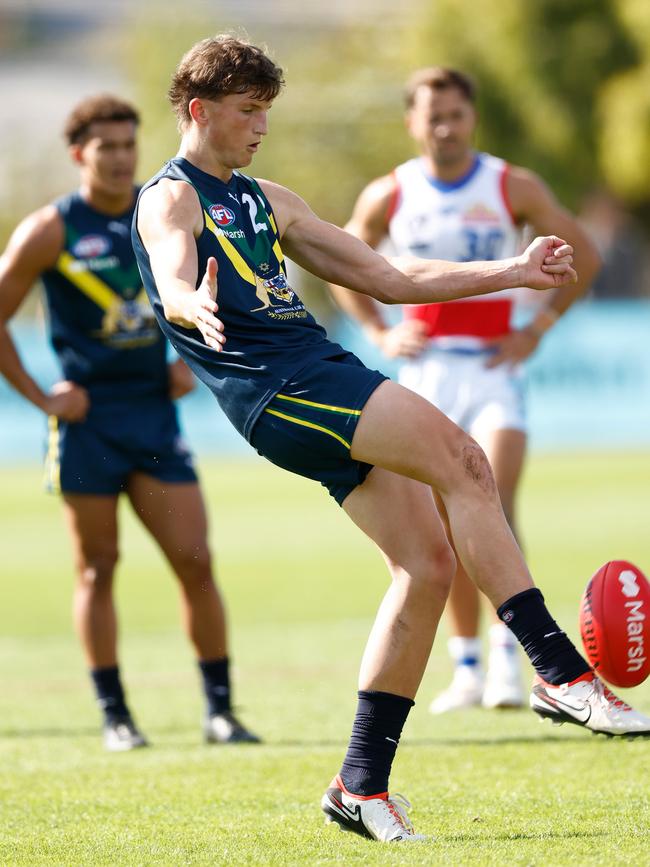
(454,203)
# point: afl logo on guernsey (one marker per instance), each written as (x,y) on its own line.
(222,215)
(91,246)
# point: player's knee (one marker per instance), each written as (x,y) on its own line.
(472,467)
(95,571)
(441,568)
(430,571)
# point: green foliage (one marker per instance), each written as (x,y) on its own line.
(624,148)
(302,586)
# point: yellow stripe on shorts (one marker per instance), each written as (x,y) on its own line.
(301,421)
(340,409)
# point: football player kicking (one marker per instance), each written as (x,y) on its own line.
(202,228)
(112,421)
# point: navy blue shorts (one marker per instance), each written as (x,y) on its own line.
(307,428)
(98,455)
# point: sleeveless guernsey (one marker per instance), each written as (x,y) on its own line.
(463,221)
(101,324)
(269,333)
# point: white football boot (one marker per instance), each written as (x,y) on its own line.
(380,817)
(465,690)
(587,702)
(225,728)
(121,734)
(503,688)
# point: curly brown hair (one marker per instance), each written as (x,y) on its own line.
(439,78)
(219,66)
(96,109)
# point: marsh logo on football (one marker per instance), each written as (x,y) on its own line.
(629,583)
(91,246)
(222,215)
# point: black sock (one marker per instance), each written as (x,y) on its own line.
(216,684)
(552,654)
(376,732)
(110,695)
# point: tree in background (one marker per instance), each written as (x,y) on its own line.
(624,116)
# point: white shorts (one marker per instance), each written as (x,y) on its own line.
(477,398)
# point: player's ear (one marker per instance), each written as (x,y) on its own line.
(75,151)
(197,111)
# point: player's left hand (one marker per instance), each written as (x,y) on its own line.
(547,263)
(206,307)
(513,348)
(181,379)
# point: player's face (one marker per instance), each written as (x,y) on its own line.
(235,126)
(442,122)
(108,157)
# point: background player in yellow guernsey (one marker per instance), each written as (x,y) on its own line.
(452,202)
(113,424)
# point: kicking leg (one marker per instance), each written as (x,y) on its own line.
(174,514)
(404,433)
(92,524)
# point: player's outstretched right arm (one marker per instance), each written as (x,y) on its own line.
(34,247)
(169,221)
(339,258)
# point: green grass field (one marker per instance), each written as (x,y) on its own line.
(302,586)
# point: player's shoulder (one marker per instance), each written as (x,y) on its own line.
(526,189)
(164,195)
(270,188)
(380,191)
(42,228)
(287,205)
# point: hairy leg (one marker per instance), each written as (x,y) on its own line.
(92,524)
(402,432)
(399,515)
(175,516)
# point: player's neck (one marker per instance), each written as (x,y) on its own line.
(449,172)
(106,202)
(205,160)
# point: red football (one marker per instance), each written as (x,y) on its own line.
(615,623)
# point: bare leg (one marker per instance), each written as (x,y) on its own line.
(403,432)
(175,516)
(505,450)
(92,524)
(399,515)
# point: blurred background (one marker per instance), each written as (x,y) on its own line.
(564,89)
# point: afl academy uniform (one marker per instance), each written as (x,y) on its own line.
(466,220)
(292,393)
(107,340)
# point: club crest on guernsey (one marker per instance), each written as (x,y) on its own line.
(273,288)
